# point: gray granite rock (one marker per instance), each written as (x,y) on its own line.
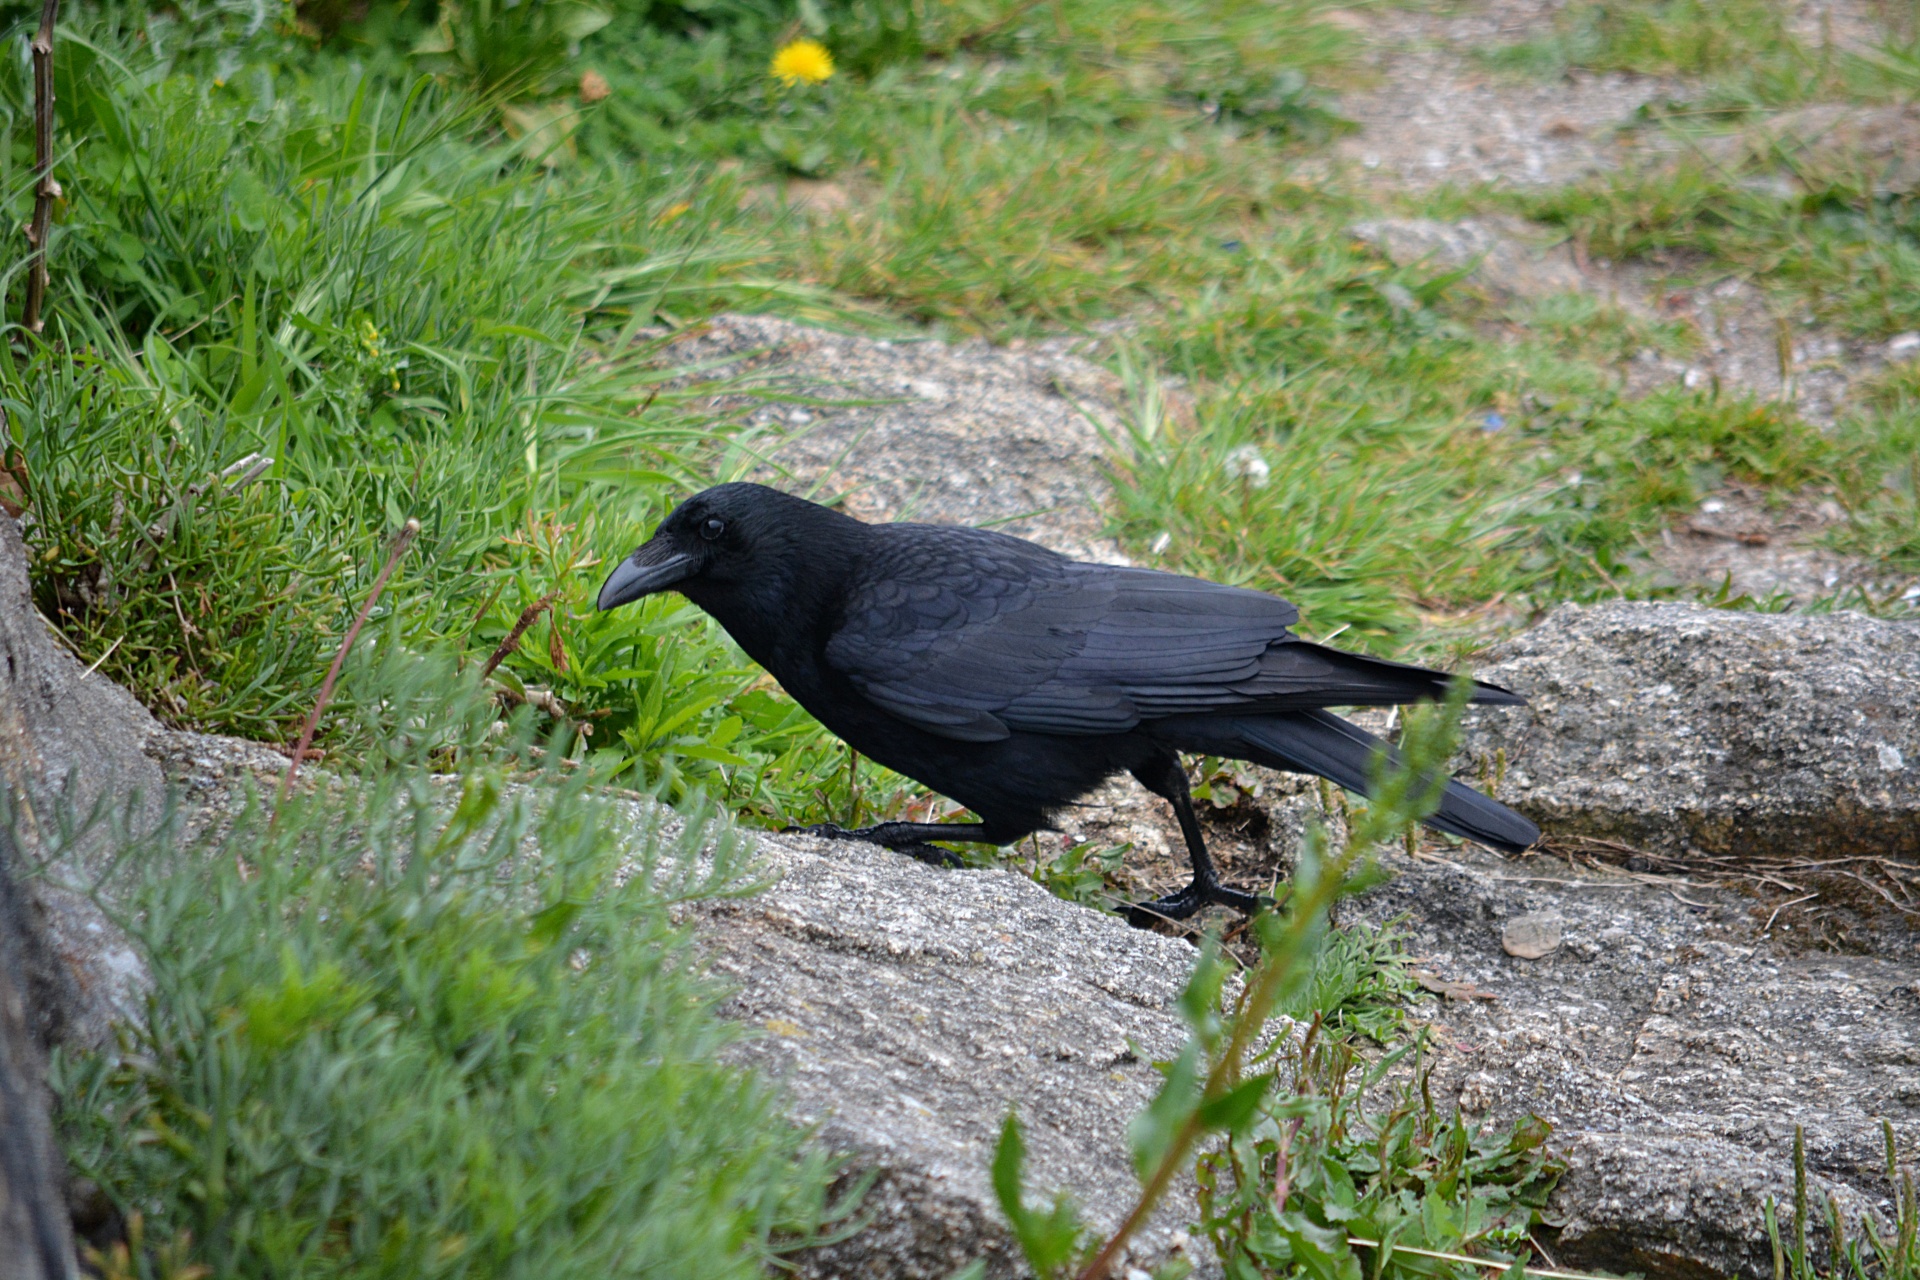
(70,751)
(963,433)
(1673,1045)
(1498,256)
(35,1240)
(906,1010)
(69,739)
(909,1009)
(75,777)
(1671,1042)
(1674,726)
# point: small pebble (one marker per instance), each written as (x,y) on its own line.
(1532,935)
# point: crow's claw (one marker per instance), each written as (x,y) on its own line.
(886,838)
(1187,902)
(931,854)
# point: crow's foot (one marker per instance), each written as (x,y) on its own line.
(894,839)
(1178,906)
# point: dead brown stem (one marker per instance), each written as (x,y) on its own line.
(400,544)
(520,625)
(45,189)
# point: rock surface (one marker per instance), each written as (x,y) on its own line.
(1674,1028)
(1499,258)
(1671,1041)
(35,1239)
(909,1009)
(74,772)
(925,430)
(69,739)
(1680,727)
(1674,1036)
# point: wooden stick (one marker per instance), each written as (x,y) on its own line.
(512,642)
(45,190)
(400,543)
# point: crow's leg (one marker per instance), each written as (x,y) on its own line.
(1165,778)
(910,838)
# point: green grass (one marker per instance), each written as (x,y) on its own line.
(1731,59)
(1889,1251)
(411,322)
(1842,252)
(421,1026)
(1363,393)
(357,275)
(1663,38)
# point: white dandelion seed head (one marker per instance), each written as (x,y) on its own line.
(1250,464)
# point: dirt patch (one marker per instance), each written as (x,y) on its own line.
(1437,115)
(1436,119)
(1751,543)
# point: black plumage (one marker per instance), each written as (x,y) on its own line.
(1015,680)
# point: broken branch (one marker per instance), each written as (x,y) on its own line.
(45,189)
(512,642)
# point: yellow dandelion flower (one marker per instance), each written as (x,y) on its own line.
(806,60)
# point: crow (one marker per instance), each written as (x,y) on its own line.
(1015,680)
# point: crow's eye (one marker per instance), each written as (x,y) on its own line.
(712,528)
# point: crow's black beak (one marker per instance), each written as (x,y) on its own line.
(652,568)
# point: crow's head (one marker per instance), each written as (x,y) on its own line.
(733,540)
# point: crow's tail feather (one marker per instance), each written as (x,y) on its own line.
(1358,680)
(1320,742)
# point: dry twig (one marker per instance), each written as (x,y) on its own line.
(45,189)
(1782,907)
(520,625)
(1884,878)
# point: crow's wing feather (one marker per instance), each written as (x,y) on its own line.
(970,634)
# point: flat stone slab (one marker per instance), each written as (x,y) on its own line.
(1671,1044)
(908,1009)
(1503,257)
(1676,726)
(919,429)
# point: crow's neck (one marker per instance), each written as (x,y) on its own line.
(784,614)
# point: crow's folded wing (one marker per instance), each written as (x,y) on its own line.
(970,634)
